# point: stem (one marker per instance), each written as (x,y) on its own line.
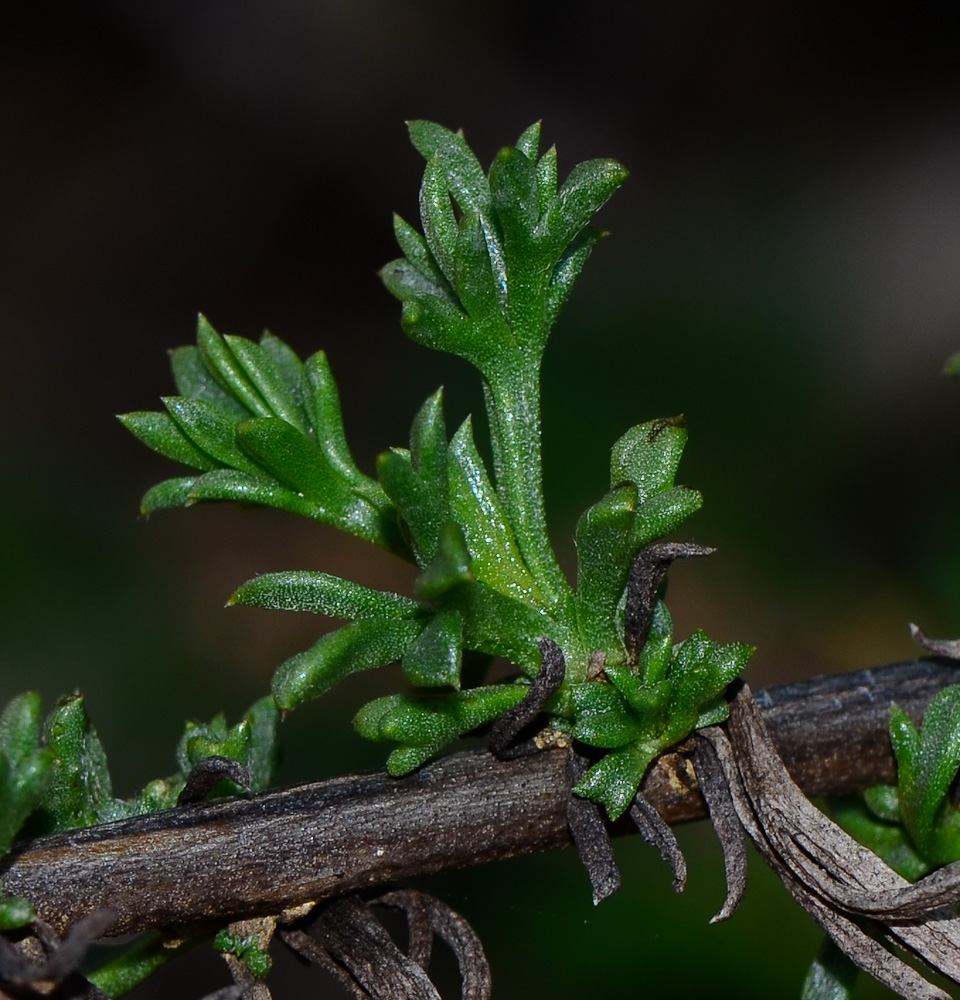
(246,857)
(513,410)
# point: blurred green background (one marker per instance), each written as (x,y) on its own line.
(783,269)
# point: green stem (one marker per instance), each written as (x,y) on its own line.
(513,409)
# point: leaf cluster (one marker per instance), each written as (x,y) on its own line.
(54,774)
(914,826)
(497,257)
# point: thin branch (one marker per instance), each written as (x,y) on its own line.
(228,860)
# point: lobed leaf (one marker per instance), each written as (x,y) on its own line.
(662,513)
(603,718)
(79,787)
(513,185)
(605,550)
(322,404)
(700,672)
(160,433)
(252,742)
(613,781)
(267,377)
(288,456)
(648,456)
(529,141)
(227,369)
(168,494)
(587,188)
(466,180)
(566,271)
(656,655)
(288,365)
(927,764)
(25,771)
(363,645)
(546,178)
(476,508)
(449,570)
(194,380)
(210,430)
(321,593)
(424,726)
(438,219)
(433,658)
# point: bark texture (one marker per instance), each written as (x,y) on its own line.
(228,860)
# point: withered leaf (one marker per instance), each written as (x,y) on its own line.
(837,880)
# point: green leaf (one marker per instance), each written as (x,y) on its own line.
(418,254)
(700,672)
(513,184)
(281,450)
(475,506)
(662,513)
(503,626)
(648,702)
(411,283)
(251,742)
(288,364)
(831,976)
(603,718)
(363,645)
(613,781)
(648,456)
(25,767)
(227,369)
(884,802)
(888,840)
(529,141)
(449,569)
(433,659)
(567,270)
(20,727)
(159,432)
(439,221)
(170,493)
(117,974)
(416,480)
(210,430)
(547,178)
(481,292)
(15,912)
(80,784)
(656,656)
(605,550)
(323,594)
(927,765)
(194,380)
(466,180)
(268,379)
(583,194)
(257,488)
(425,725)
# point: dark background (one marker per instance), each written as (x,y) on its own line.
(783,269)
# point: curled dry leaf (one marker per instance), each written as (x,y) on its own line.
(657,832)
(950,648)
(39,963)
(723,815)
(647,573)
(838,881)
(206,774)
(507,728)
(345,938)
(589,834)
